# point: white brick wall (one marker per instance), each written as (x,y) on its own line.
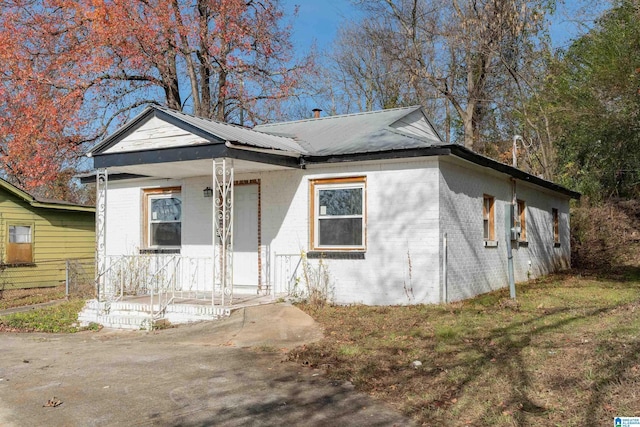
(410,205)
(472,268)
(401,261)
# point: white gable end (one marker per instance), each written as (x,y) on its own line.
(416,124)
(153,134)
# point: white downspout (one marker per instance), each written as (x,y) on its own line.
(444,268)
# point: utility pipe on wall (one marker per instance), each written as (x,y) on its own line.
(511,233)
(444,268)
(514,150)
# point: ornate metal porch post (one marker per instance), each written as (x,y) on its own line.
(101,233)
(223,227)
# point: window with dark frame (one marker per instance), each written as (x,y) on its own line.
(488,218)
(338,214)
(522,219)
(556,226)
(163,218)
(19,244)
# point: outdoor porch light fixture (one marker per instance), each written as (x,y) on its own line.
(207,192)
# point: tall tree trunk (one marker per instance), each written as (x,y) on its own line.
(186,52)
(170,81)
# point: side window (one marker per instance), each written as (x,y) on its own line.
(338,214)
(522,219)
(556,226)
(162,218)
(488,217)
(20,244)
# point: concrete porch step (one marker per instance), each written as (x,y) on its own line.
(132,315)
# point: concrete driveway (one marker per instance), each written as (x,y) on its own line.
(228,373)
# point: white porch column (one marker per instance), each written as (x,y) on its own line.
(101,233)
(223,228)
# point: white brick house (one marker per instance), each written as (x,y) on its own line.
(395,215)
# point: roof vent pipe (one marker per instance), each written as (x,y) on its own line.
(316,113)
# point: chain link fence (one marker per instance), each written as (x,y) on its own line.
(76,275)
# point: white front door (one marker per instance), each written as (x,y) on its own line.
(245,238)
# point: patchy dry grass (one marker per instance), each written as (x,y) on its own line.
(20,297)
(57,318)
(568,353)
(62,317)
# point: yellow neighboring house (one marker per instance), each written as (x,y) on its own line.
(38,236)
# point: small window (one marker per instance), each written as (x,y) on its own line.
(338,214)
(556,226)
(163,218)
(522,220)
(488,217)
(19,246)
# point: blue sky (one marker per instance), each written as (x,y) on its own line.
(319,20)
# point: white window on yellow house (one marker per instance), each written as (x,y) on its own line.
(19,244)
(488,218)
(338,214)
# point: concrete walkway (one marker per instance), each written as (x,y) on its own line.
(227,373)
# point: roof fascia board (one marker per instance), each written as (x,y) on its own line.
(32,201)
(380,155)
(91,179)
(466,154)
(195,152)
(445,150)
(63,207)
(16,191)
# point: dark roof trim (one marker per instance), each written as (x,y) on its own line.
(193,152)
(211,151)
(43,203)
(444,150)
(147,114)
(90,178)
(466,154)
(379,155)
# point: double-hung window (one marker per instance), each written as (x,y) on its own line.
(19,244)
(163,218)
(338,210)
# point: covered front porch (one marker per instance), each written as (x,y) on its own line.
(179,214)
(199,253)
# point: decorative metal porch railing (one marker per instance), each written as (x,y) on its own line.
(163,279)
